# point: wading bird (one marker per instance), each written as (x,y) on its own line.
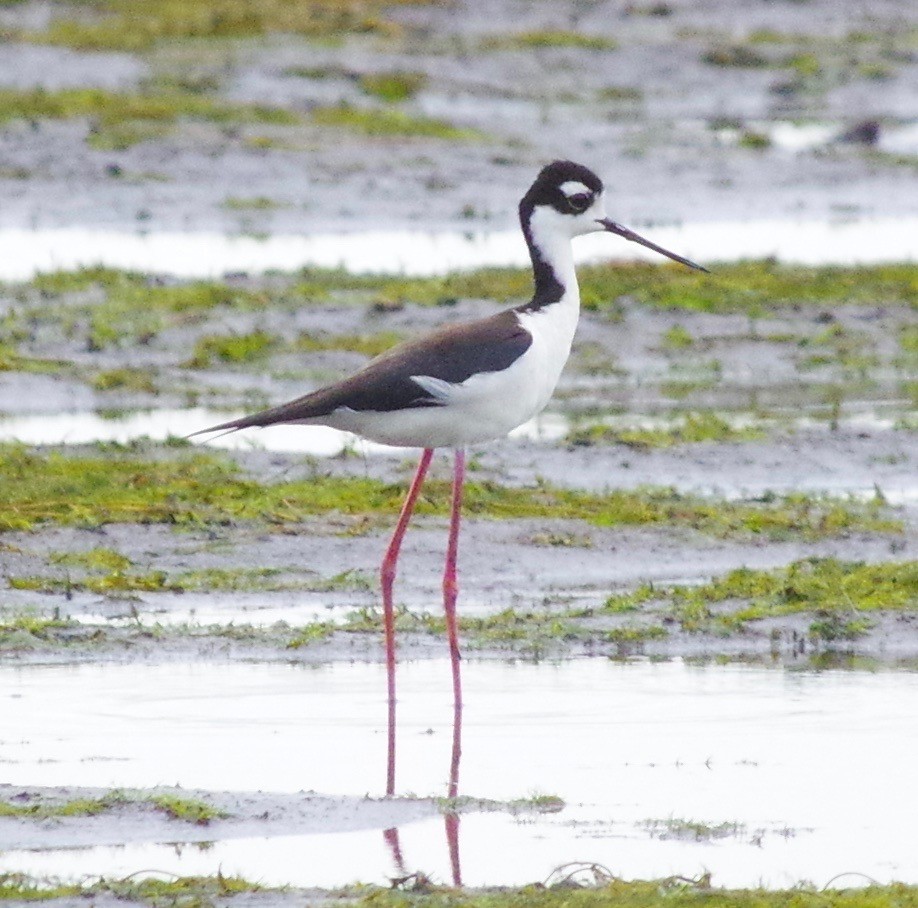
(467,383)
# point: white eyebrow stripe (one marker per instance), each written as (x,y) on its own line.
(574,187)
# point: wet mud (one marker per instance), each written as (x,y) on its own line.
(656,753)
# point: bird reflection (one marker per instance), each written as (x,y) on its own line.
(450,819)
(404,878)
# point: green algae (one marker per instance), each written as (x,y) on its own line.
(392,86)
(677,338)
(19,887)
(111,583)
(692,428)
(188,489)
(190,810)
(826,587)
(126,26)
(108,572)
(125,379)
(694,830)
(12,360)
(99,558)
(841,596)
(610,892)
(540,39)
(231,349)
(122,119)
(367,344)
(675,892)
(26,630)
(840,600)
(753,287)
(392,123)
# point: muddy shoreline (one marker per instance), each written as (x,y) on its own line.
(677,713)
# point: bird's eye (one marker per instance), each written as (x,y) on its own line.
(580,201)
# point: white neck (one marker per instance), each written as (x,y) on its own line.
(551,247)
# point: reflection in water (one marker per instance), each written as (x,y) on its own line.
(450,595)
(403,875)
(159,425)
(769,752)
(23,253)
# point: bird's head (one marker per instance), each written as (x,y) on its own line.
(568,200)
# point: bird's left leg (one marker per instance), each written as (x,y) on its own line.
(387,576)
(450,593)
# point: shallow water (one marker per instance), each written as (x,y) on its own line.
(815,767)
(321,441)
(86,427)
(158,425)
(23,253)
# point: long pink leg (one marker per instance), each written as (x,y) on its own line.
(450,592)
(387,575)
(452,843)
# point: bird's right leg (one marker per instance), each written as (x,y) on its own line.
(388,578)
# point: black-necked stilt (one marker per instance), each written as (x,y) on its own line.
(467,383)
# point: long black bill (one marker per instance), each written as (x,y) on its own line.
(618,229)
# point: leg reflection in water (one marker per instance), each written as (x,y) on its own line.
(404,878)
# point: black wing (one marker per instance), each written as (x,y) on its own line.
(451,354)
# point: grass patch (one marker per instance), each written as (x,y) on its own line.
(392,87)
(908,344)
(540,39)
(112,583)
(735,56)
(753,288)
(628,637)
(230,580)
(134,311)
(841,346)
(97,559)
(254,203)
(119,486)
(392,123)
(124,25)
(367,344)
(25,629)
(107,572)
(189,810)
(530,632)
(11,360)
(21,887)
(231,349)
(750,287)
(692,830)
(78,807)
(755,141)
(617,93)
(122,119)
(690,429)
(189,891)
(125,378)
(677,338)
(840,594)
(121,308)
(675,892)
